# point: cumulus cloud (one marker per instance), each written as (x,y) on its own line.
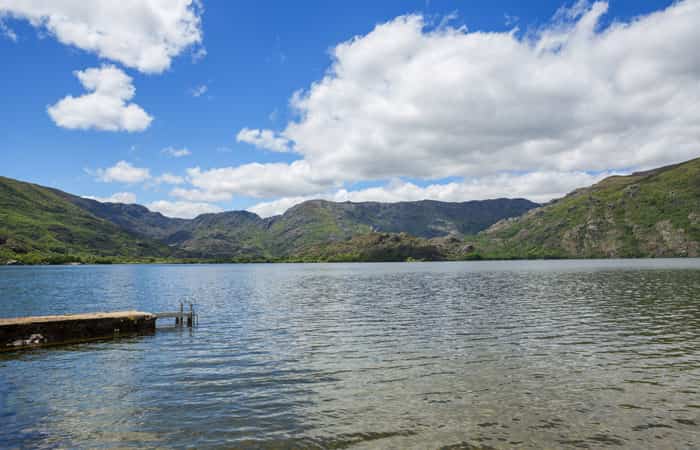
(176,152)
(185,210)
(536,186)
(145,35)
(266,139)
(105,105)
(410,101)
(122,172)
(496,113)
(254,180)
(199,195)
(117,197)
(169,178)
(405,100)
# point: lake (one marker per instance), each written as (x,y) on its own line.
(529,354)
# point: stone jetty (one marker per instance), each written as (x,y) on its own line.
(28,332)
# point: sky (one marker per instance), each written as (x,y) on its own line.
(189,107)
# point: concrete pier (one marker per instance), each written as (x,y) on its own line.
(28,332)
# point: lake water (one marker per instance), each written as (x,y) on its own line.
(531,354)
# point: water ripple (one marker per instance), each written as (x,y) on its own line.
(556,354)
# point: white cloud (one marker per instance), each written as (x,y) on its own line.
(185,210)
(409,101)
(198,195)
(122,172)
(535,186)
(176,152)
(145,35)
(255,180)
(280,205)
(266,139)
(118,197)
(169,178)
(198,91)
(105,105)
(405,100)
(501,114)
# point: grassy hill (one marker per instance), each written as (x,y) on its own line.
(647,214)
(37,224)
(377,246)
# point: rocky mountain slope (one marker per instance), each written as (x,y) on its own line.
(647,214)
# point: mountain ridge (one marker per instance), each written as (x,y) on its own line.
(652,213)
(245,236)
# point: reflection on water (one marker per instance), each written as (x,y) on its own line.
(554,354)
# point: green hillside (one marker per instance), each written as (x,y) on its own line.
(377,246)
(236,235)
(647,214)
(37,225)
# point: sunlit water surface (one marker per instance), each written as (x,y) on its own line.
(557,354)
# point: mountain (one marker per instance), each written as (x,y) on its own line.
(45,224)
(37,224)
(245,235)
(136,219)
(319,221)
(647,214)
(655,213)
(222,235)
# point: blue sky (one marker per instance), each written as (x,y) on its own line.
(258,54)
